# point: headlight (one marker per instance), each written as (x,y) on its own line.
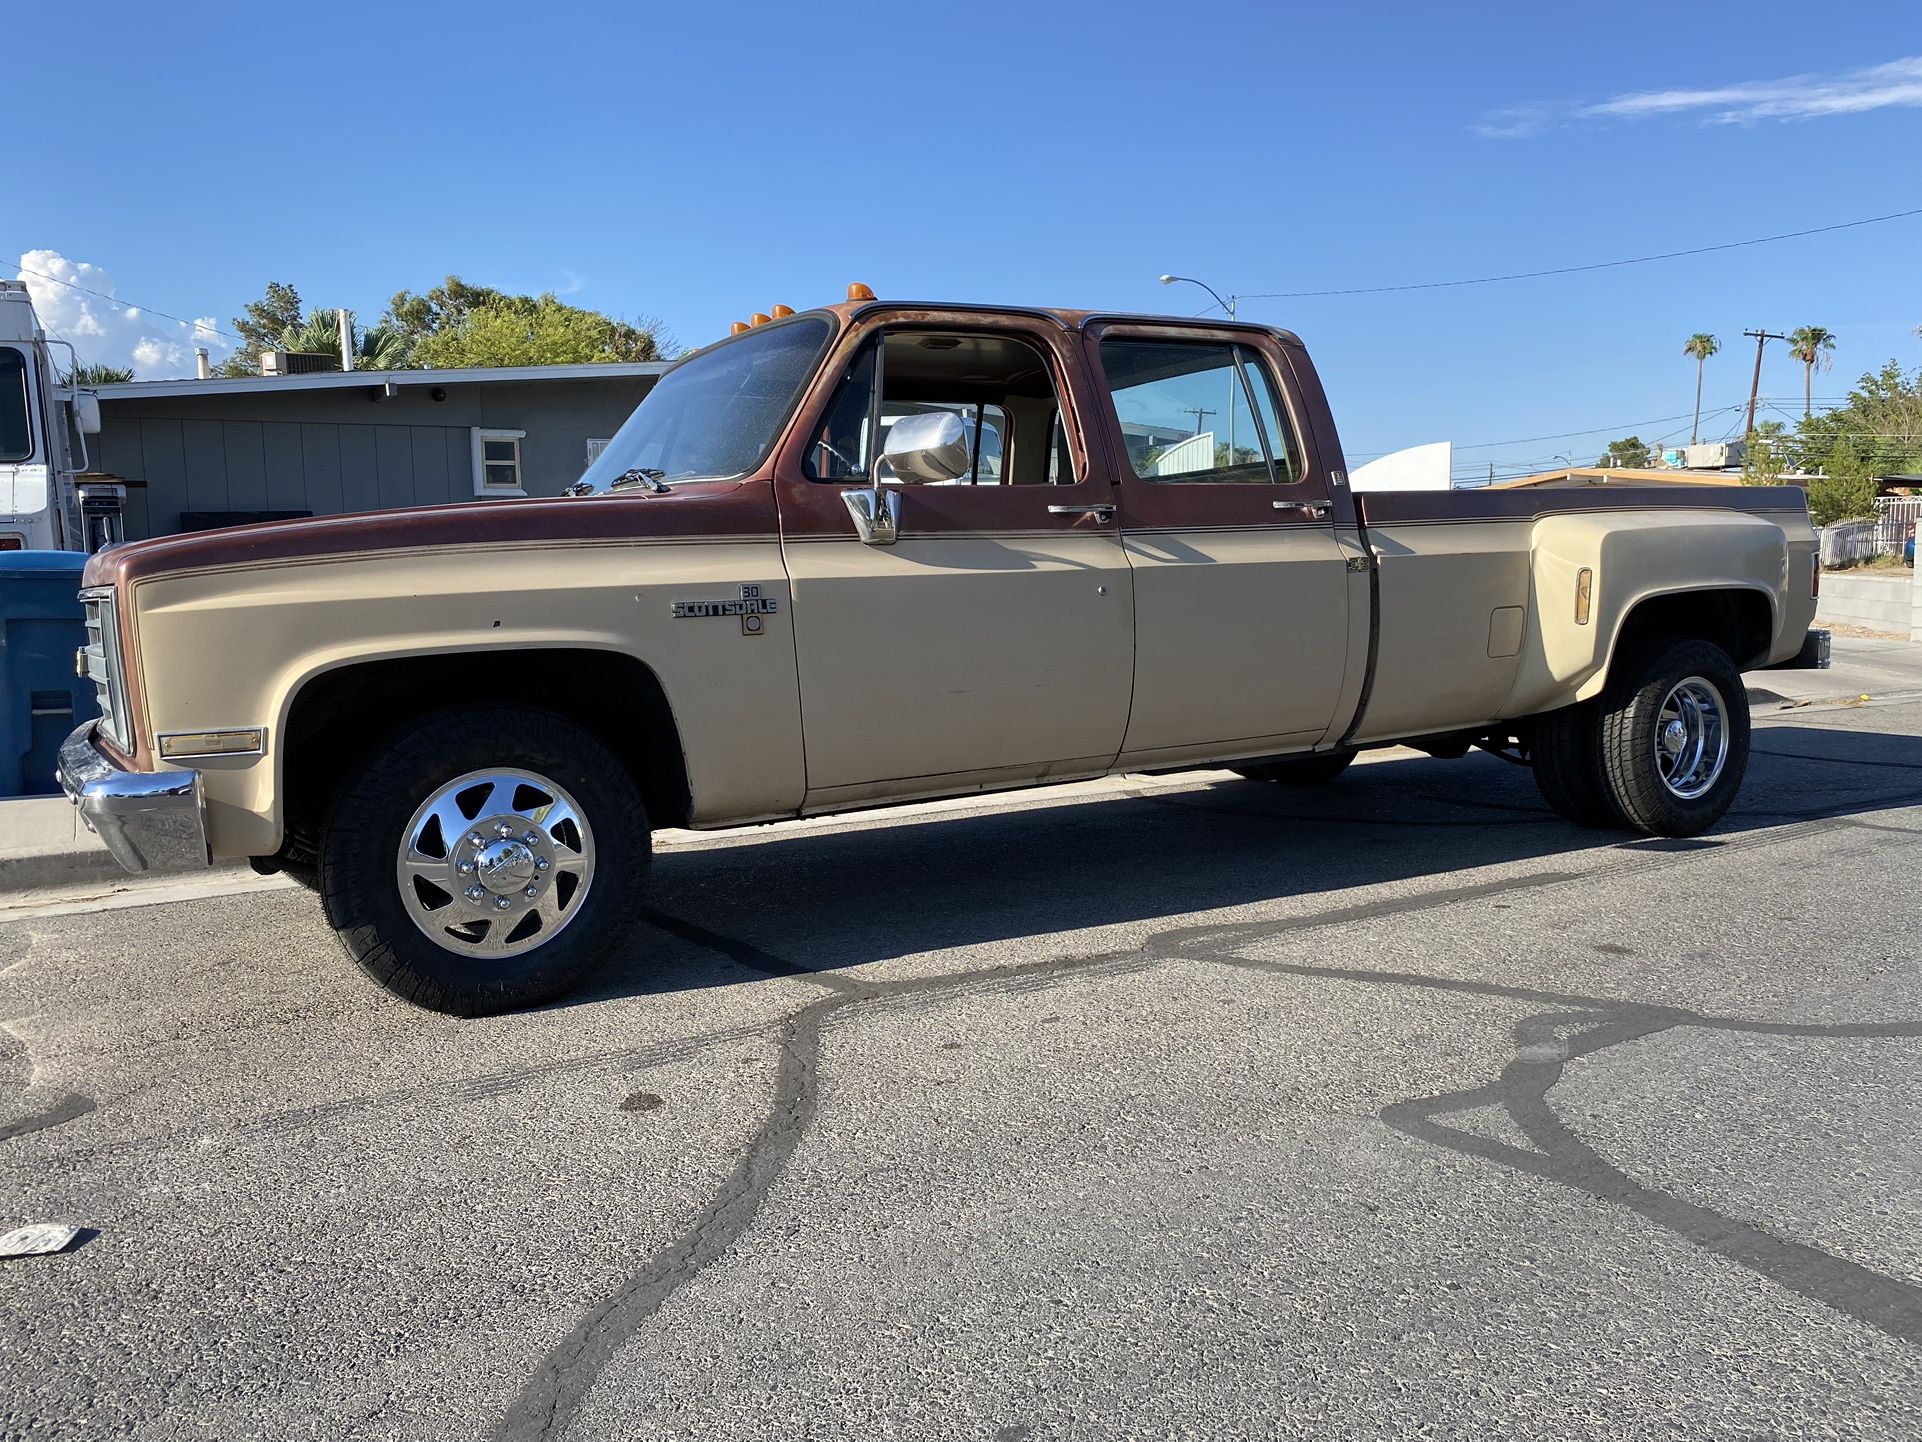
(106,666)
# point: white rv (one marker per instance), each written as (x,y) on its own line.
(44,425)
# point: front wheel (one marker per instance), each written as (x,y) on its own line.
(484,860)
(1673,737)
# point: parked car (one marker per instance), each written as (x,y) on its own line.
(461,724)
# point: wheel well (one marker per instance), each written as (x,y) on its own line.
(616,696)
(1739,621)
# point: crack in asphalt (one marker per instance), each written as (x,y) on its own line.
(561,1382)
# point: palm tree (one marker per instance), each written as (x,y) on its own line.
(1810,344)
(379,348)
(1701,345)
(98,375)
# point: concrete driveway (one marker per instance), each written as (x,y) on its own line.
(1192,1108)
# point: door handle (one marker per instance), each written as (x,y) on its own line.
(1103,512)
(1313,508)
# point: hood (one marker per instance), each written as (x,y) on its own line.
(701,510)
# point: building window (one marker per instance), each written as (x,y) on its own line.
(595,447)
(497,463)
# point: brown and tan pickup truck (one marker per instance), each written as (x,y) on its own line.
(878,552)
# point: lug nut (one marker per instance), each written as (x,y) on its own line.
(540,863)
(474,839)
(502,903)
(530,837)
(532,892)
(465,868)
(474,893)
(503,830)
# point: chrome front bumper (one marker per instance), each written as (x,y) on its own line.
(150,820)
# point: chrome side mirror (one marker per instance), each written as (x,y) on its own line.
(920,448)
(932,446)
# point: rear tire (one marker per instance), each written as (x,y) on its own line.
(1298,770)
(1567,753)
(1674,736)
(484,860)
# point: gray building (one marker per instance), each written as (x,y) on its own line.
(200,453)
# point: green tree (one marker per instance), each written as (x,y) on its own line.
(1811,345)
(1701,346)
(457,324)
(1881,422)
(1630,452)
(260,327)
(99,375)
(1845,490)
(1769,454)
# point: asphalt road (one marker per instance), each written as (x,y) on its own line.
(1201,1109)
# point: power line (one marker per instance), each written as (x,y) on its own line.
(1566,435)
(195,325)
(1576,269)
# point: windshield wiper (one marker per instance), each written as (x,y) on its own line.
(654,480)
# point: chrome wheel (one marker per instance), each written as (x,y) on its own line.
(495,863)
(1691,738)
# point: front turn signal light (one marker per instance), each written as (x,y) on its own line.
(178,745)
(1584,589)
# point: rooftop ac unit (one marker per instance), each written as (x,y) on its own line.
(1716,455)
(297,362)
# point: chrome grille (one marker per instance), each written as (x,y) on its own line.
(103,663)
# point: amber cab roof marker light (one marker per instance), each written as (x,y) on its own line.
(857,291)
(758,319)
(781,312)
(737,327)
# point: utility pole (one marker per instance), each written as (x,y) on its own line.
(1761,338)
(1198,412)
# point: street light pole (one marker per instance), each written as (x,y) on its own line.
(1227,305)
(1233,381)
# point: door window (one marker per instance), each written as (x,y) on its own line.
(1001,387)
(1199,412)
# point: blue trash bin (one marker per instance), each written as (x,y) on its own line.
(41,697)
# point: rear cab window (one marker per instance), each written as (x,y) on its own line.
(1199,412)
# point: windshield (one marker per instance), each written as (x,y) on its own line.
(717,414)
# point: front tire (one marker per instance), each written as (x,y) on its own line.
(484,860)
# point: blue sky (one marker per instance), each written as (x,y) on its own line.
(695,163)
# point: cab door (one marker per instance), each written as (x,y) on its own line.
(990,642)
(1243,630)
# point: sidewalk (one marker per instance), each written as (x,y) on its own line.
(1859,666)
(43,844)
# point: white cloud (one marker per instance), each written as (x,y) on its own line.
(1517,122)
(106,332)
(1896,84)
(1798,97)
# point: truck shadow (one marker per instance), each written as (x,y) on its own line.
(822,902)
